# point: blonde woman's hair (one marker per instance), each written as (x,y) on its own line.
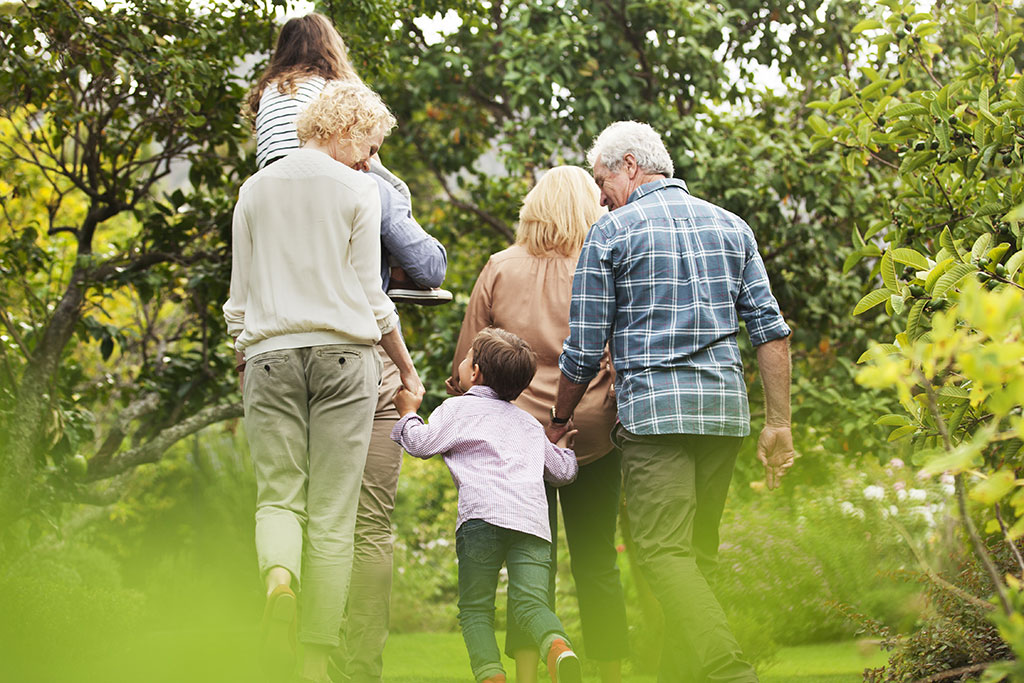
(558,211)
(346,109)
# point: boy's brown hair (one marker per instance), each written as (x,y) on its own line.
(506,361)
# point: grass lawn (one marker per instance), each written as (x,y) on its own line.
(442,658)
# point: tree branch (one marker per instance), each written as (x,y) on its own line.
(502,228)
(153,449)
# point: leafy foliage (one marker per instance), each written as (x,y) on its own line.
(101,107)
(937,128)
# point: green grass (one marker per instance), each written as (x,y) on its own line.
(442,658)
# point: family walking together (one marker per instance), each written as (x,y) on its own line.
(597,361)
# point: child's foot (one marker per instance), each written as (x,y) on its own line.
(278,633)
(497,678)
(563,664)
(423,297)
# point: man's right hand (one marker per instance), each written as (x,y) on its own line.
(775,451)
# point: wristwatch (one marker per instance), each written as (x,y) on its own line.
(558,420)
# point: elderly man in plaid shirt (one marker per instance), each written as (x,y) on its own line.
(665,278)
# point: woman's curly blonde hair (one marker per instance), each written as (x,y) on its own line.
(346,109)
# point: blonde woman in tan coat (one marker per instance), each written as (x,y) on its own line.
(525,289)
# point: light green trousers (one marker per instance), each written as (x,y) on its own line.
(359,659)
(308,416)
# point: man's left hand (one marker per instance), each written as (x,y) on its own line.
(775,451)
(555,432)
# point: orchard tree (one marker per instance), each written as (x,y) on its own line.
(935,122)
(113,262)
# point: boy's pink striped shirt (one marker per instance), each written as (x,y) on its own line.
(498,456)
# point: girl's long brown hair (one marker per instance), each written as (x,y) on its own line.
(307,46)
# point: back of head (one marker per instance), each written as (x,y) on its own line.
(348,109)
(558,211)
(631,137)
(506,361)
(306,46)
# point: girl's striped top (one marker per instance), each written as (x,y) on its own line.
(275,120)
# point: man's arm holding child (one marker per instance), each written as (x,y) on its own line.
(419,439)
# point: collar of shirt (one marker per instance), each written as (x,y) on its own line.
(655,186)
(482,390)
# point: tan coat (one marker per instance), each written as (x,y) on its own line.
(529,296)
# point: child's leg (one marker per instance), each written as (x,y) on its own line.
(481,550)
(528,572)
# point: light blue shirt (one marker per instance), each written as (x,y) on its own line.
(667,277)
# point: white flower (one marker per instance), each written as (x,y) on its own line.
(901,494)
(918,494)
(895,463)
(947,478)
(850,510)
(924,513)
(874,492)
(899,486)
(949,489)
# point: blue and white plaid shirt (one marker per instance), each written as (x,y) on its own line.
(667,277)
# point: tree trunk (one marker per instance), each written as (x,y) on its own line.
(23,444)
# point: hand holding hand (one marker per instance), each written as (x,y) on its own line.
(775,451)
(451,386)
(411,382)
(555,432)
(568,439)
(407,402)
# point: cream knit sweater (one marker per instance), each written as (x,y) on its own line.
(305,267)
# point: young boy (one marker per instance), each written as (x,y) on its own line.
(499,459)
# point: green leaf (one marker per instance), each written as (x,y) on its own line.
(989,209)
(981,246)
(852,260)
(954,392)
(946,239)
(936,272)
(887,269)
(818,124)
(901,432)
(878,351)
(1014,264)
(951,278)
(914,319)
(991,490)
(867,25)
(870,300)
(893,420)
(1015,214)
(905,109)
(870,90)
(909,257)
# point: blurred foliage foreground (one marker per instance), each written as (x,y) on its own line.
(126,518)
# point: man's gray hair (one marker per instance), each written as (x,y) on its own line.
(631,137)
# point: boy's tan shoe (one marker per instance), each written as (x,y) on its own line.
(563,664)
(278,638)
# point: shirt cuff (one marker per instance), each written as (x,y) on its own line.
(768,330)
(396,431)
(388,322)
(574,372)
